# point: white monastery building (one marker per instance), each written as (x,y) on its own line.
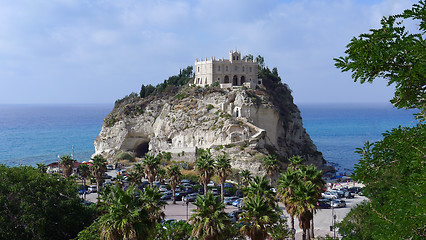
(228,73)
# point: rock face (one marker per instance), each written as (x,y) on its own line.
(244,123)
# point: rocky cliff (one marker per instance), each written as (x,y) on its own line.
(247,124)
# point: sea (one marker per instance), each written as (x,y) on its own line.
(31,134)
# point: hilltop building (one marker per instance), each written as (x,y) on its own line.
(227,72)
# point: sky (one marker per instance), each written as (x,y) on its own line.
(97,51)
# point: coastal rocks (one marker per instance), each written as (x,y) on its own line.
(244,123)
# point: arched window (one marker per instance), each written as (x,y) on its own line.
(226,68)
(250,69)
(235,80)
(236,68)
(198,68)
(218,68)
(243,80)
(226,79)
(242,69)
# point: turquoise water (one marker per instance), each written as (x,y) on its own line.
(338,129)
(31,134)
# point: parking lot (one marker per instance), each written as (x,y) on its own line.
(322,218)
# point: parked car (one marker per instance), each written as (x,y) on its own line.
(337,203)
(185,181)
(92,189)
(234,216)
(110,167)
(180,195)
(191,197)
(239,193)
(237,202)
(163,188)
(215,191)
(349,195)
(354,189)
(201,191)
(323,203)
(167,195)
(329,195)
(210,184)
(107,176)
(229,200)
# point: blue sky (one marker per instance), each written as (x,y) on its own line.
(96,51)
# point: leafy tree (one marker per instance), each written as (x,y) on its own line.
(394,54)
(42,167)
(134,177)
(98,169)
(67,165)
(286,185)
(393,172)
(175,176)
(223,170)
(151,164)
(392,169)
(258,218)
(305,198)
(35,205)
(205,167)
(209,220)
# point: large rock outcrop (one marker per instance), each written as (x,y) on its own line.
(246,124)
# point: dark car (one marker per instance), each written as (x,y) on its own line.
(179,196)
(324,203)
(239,193)
(234,215)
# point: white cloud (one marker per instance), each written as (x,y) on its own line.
(112,47)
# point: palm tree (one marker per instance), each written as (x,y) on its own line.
(205,166)
(174,174)
(312,174)
(126,217)
(271,165)
(98,169)
(305,202)
(223,169)
(151,164)
(154,204)
(258,217)
(286,185)
(246,177)
(84,172)
(139,169)
(161,175)
(259,186)
(67,165)
(134,178)
(209,220)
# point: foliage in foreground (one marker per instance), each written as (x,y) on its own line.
(392,169)
(35,205)
(394,54)
(394,173)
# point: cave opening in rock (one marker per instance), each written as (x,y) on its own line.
(142,149)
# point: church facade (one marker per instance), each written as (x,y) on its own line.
(228,73)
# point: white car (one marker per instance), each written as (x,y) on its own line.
(338,203)
(329,195)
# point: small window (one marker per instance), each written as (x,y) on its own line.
(218,79)
(198,69)
(250,69)
(218,68)
(242,69)
(226,68)
(236,68)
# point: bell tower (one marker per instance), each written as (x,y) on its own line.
(234,56)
